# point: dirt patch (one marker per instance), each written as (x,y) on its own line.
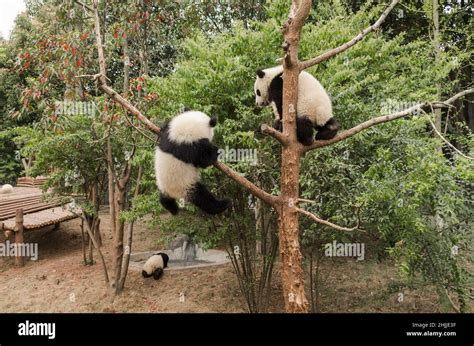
(59,282)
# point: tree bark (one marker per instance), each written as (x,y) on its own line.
(292,273)
(126,66)
(118,239)
(128,245)
(436,48)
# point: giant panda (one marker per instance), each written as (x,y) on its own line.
(314,108)
(185,146)
(154,265)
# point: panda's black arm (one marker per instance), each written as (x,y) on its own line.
(201,154)
(206,153)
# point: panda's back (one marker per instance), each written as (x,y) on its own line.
(313,100)
(174,177)
(155,261)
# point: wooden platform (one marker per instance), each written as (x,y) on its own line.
(41,219)
(28,208)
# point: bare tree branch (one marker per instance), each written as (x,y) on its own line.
(279,136)
(100,46)
(458,310)
(128,246)
(127,173)
(82,4)
(444,139)
(329,224)
(97,247)
(109,159)
(383,119)
(128,106)
(302,200)
(330,53)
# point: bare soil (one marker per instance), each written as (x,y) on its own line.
(59,282)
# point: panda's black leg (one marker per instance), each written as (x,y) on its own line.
(145,274)
(304,130)
(169,204)
(328,131)
(157,273)
(205,200)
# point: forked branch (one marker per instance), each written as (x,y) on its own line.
(330,224)
(330,53)
(279,136)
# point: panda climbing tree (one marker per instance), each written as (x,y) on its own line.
(288,203)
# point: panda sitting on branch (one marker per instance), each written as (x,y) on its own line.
(185,146)
(314,108)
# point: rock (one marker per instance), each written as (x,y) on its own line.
(7,188)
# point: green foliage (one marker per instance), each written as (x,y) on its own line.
(413,201)
(70,146)
(394,172)
(9,163)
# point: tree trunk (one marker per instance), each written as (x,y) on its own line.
(292,271)
(112,210)
(436,47)
(126,66)
(118,240)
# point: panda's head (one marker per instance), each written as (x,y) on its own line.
(191,126)
(262,84)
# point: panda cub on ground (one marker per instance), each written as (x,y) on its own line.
(185,146)
(154,265)
(314,108)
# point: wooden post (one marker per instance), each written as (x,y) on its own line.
(19,260)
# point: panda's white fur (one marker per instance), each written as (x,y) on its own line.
(154,262)
(175,177)
(313,100)
(169,182)
(154,265)
(185,146)
(190,126)
(7,188)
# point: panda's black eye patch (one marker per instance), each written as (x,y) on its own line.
(258,93)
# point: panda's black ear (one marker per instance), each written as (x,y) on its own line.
(260,73)
(213,121)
